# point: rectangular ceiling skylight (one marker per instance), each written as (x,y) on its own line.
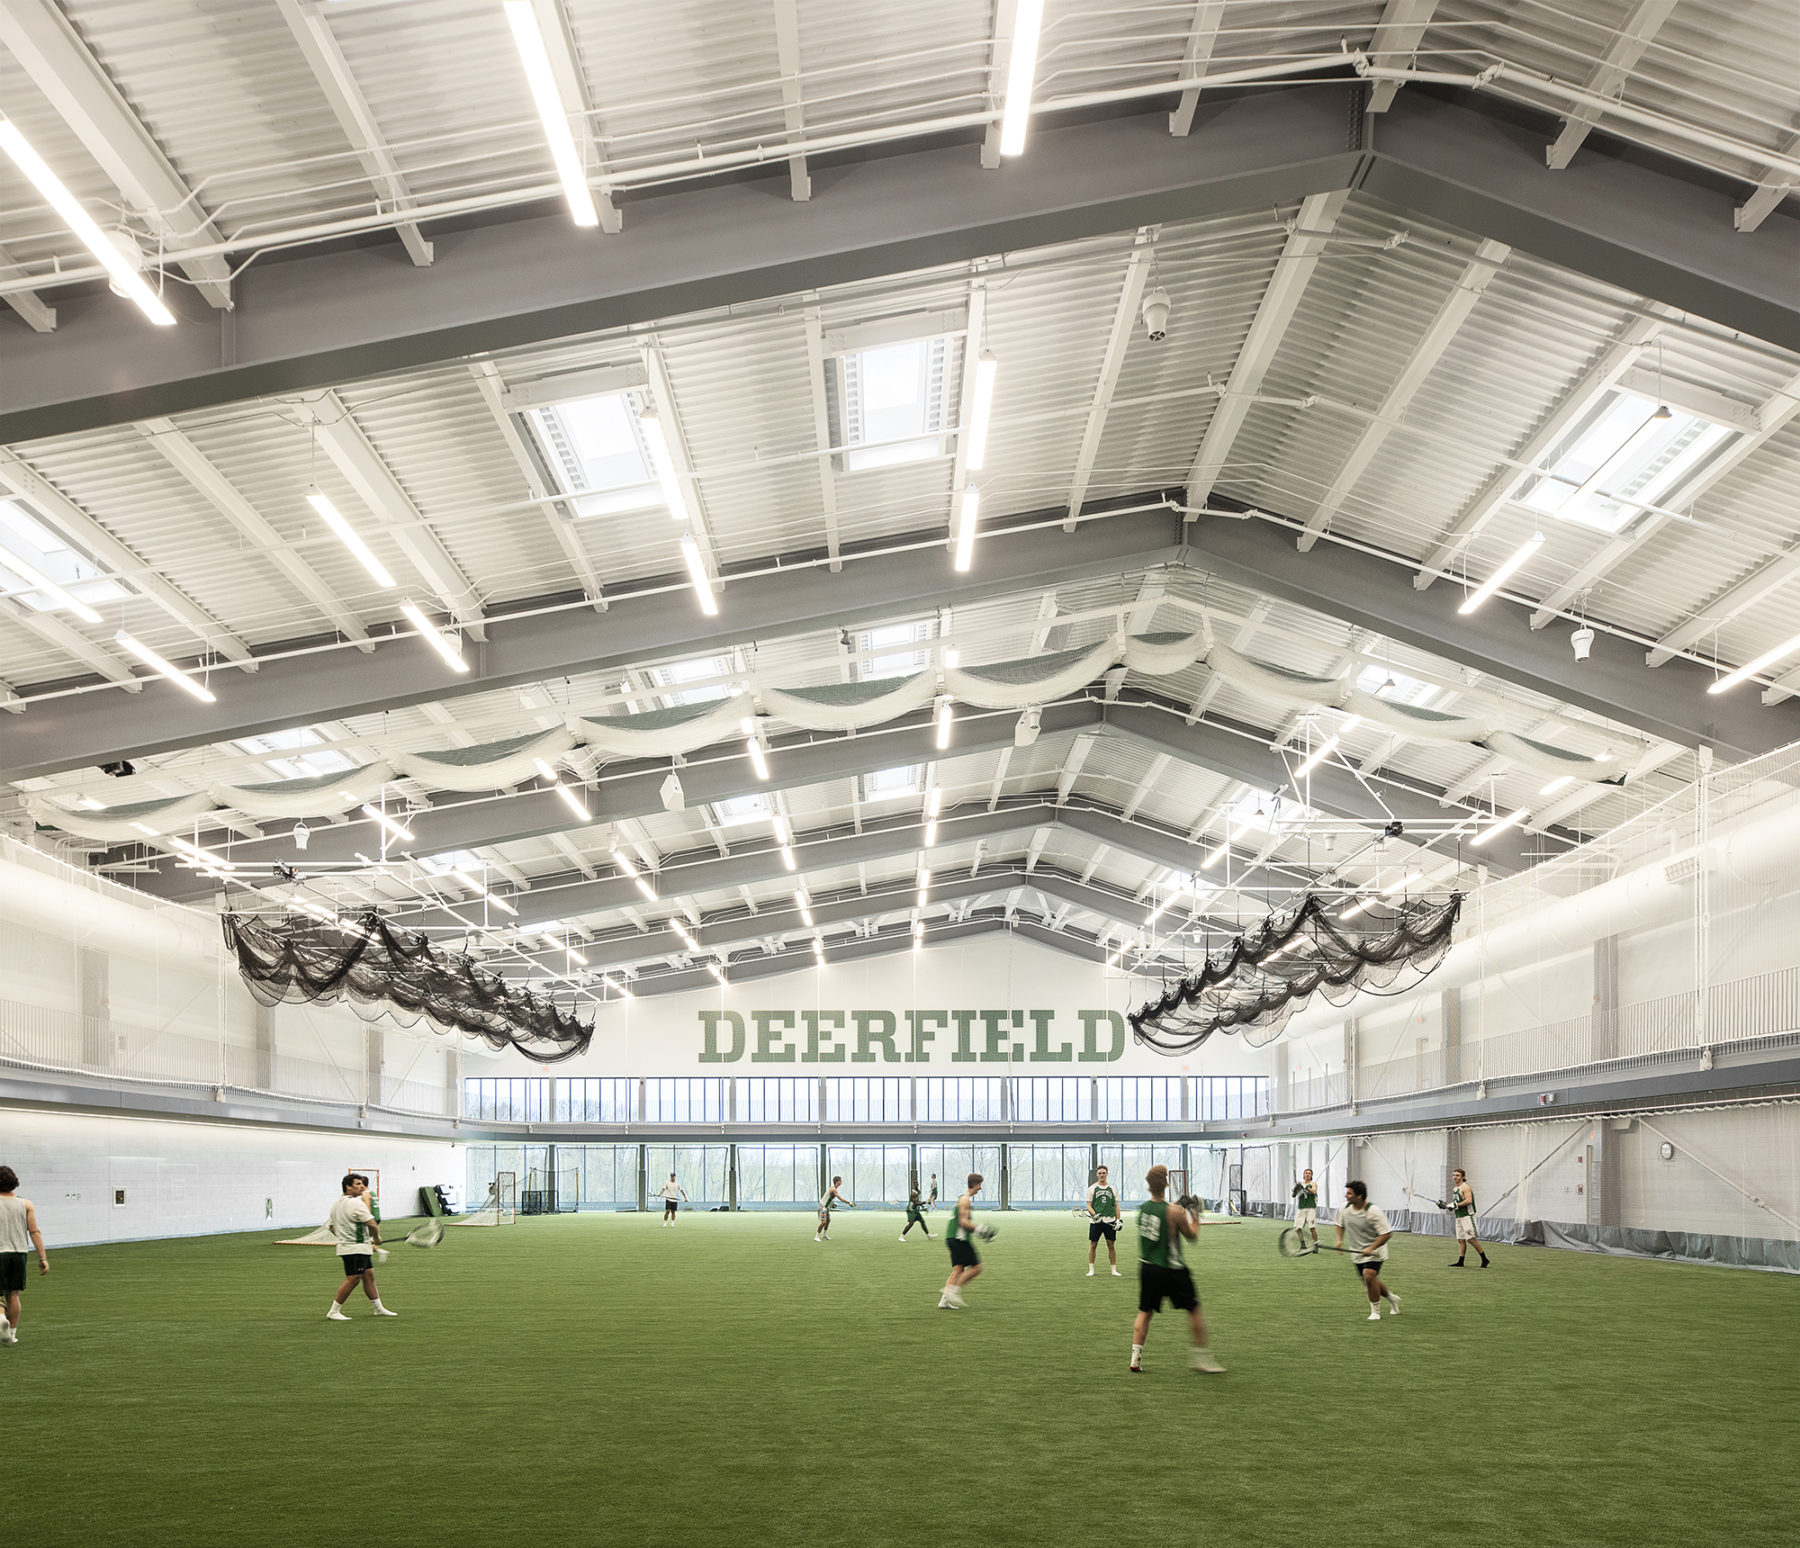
(741,809)
(892,403)
(890,650)
(49,554)
(308,765)
(891,784)
(593,448)
(1621,455)
(1397,686)
(700,669)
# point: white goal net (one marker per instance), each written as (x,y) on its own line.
(501,1208)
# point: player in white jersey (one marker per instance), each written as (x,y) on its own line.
(831,1199)
(1368,1230)
(19,1235)
(357,1232)
(671,1193)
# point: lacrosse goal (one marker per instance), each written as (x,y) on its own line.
(501,1208)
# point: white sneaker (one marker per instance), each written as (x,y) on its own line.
(1117,1274)
(1393,1304)
(1374,1314)
(901,1237)
(334,1315)
(1205,1360)
(382,1311)
(1090,1272)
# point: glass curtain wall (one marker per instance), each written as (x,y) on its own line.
(874,1175)
(778,1176)
(953,1163)
(703,1170)
(1046,1176)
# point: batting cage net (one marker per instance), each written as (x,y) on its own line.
(1264,975)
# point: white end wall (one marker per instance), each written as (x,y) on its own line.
(190,1179)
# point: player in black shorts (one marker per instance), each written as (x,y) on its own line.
(965,1262)
(1163,1273)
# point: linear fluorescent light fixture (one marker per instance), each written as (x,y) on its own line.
(434,637)
(386,823)
(967,516)
(614,985)
(686,935)
(164,667)
(1411,879)
(819,950)
(1750,668)
(987,368)
(934,801)
(201,856)
(574,802)
(346,534)
(717,972)
(529,41)
(656,438)
(57,195)
(1354,909)
(787,858)
(1511,820)
(482,892)
(931,833)
(36,580)
(1021,73)
(696,568)
(759,760)
(1502,575)
(945,718)
(623,862)
(1324,750)
(1561,782)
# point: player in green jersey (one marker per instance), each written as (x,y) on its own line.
(1462,1202)
(1163,1273)
(1103,1220)
(960,1234)
(915,1214)
(1306,1206)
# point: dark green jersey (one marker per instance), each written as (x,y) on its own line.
(1465,1210)
(1306,1196)
(1159,1243)
(1103,1201)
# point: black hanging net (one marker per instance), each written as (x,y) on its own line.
(1269,972)
(365,961)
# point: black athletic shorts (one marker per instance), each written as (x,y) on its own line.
(1378,1264)
(962,1253)
(914,1214)
(1100,1228)
(356,1262)
(670,1206)
(1157,1284)
(12,1272)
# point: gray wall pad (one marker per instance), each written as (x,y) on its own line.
(1754,1252)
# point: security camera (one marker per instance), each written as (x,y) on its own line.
(1395,829)
(1582,640)
(301,834)
(1156,315)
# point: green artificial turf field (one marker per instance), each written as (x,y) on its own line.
(600,1379)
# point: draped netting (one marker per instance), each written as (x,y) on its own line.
(151,810)
(1271,971)
(365,961)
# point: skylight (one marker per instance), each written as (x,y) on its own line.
(309,765)
(29,540)
(594,448)
(699,669)
(888,650)
(891,400)
(891,784)
(740,810)
(1618,458)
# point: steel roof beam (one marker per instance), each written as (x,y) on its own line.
(46,43)
(31,307)
(1306,241)
(1769,192)
(1368,591)
(1203,36)
(188,460)
(1125,321)
(1468,289)
(800,596)
(787,52)
(1609,75)
(1397,35)
(328,315)
(336,80)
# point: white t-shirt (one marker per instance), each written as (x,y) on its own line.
(1362,1226)
(671,1190)
(14,1237)
(348,1223)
